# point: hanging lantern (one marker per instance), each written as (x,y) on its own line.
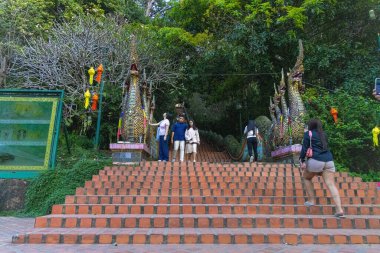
(95,99)
(99,71)
(334,114)
(372,15)
(87,96)
(375,136)
(91,73)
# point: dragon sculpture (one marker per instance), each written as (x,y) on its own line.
(288,122)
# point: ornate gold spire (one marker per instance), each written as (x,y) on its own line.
(133,114)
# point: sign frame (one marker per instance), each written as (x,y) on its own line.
(55,97)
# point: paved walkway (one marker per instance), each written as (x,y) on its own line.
(10,226)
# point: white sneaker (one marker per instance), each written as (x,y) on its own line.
(159,160)
(251,159)
(173,160)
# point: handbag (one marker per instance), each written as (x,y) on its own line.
(158,134)
(309,152)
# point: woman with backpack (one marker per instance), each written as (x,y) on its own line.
(252,133)
(319,163)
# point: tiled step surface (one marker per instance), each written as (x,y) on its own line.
(207,221)
(209,203)
(162,199)
(207,153)
(211,209)
(221,192)
(292,236)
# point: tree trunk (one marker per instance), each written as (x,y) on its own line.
(149,7)
(2,70)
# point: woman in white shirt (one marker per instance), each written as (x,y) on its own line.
(163,152)
(192,140)
(252,135)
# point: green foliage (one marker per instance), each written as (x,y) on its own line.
(370,176)
(212,138)
(24,17)
(233,145)
(350,140)
(72,171)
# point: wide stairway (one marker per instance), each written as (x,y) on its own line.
(212,203)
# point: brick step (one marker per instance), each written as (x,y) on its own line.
(155,164)
(210,171)
(148,199)
(207,221)
(231,185)
(213,178)
(105,189)
(200,166)
(205,165)
(211,209)
(290,236)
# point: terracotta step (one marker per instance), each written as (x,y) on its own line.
(186,169)
(147,199)
(209,203)
(218,185)
(207,221)
(149,164)
(105,189)
(211,209)
(290,236)
(216,177)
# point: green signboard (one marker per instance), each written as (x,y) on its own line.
(29,130)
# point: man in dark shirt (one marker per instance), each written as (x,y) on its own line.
(178,138)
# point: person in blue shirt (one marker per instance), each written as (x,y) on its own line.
(319,164)
(178,138)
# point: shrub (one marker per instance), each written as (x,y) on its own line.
(233,145)
(52,186)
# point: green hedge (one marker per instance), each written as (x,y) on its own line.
(52,186)
(72,171)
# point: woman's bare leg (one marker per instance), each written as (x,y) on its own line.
(308,176)
(328,176)
(195,156)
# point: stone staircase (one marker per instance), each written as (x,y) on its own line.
(211,203)
(207,153)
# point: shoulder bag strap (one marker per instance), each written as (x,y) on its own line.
(310,135)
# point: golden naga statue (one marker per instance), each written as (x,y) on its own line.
(288,122)
(136,106)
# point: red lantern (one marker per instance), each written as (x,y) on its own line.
(334,114)
(99,71)
(95,99)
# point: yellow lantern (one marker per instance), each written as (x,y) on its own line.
(375,136)
(87,96)
(91,73)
